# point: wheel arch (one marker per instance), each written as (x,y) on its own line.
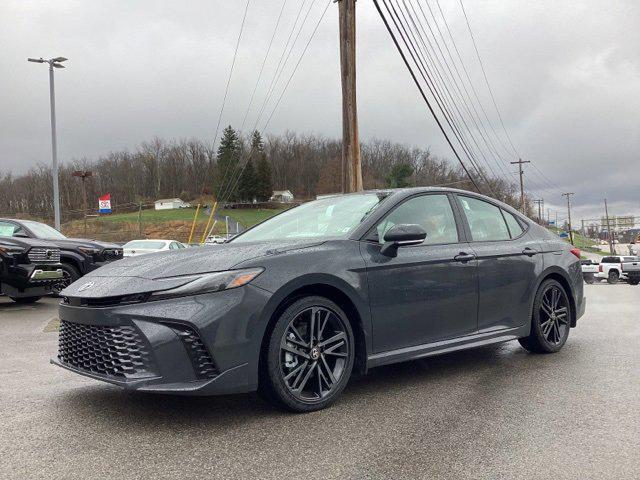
(333,289)
(74,260)
(557,274)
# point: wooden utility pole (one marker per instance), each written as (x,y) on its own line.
(520,162)
(83,174)
(609,237)
(539,202)
(568,195)
(352,166)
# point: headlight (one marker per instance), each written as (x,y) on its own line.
(89,250)
(11,250)
(209,282)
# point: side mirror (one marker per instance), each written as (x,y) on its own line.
(401,236)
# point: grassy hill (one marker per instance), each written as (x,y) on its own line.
(171,224)
(580,241)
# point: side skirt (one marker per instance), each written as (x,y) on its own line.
(446,346)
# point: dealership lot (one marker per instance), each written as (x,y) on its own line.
(495,412)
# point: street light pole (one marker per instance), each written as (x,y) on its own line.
(53,63)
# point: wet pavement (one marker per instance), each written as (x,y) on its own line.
(495,413)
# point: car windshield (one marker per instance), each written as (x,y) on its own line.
(333,217)
(42,230)
(145,244)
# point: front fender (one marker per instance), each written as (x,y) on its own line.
(353,290)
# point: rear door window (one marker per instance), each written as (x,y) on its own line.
(485,220)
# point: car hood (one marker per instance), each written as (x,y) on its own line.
(27,242)
(162,270)
(82,242)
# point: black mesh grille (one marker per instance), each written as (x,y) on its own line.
(112,254)
(198,354)
(114,351)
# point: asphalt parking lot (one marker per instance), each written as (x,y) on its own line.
(495,413)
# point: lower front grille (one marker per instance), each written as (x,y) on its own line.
(201,359)
(111,254)
(113,351)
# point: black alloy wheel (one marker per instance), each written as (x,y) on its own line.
(69,275)
(613,277)
(311,355)
(551,319)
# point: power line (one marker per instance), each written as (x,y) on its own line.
(226,91)
(295,69)
(486,79)
(456,85)
(264,62)
(422,93)
(410,44)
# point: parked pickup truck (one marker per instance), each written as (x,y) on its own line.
(78,256)
(29,269)
(631,268)
(589,270)
(611,268)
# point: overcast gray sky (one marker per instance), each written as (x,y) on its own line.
(566,76)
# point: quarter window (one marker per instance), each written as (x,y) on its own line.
(485,220)
(431,212)
(514,226)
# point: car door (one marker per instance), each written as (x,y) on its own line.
(509,262)
(428,292)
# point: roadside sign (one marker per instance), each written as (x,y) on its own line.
(104,203)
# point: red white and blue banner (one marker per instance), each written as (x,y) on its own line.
(104,203)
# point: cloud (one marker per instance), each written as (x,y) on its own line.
(565,74)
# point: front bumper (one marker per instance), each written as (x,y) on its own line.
(200,345)
(28,280)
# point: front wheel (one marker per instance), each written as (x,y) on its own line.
(69,275)
(550,319)
(309,356)
(634,281)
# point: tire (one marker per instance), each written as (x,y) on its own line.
(25,300)
(552,305)
(70,275)
(589,278)
(303,372)
(634,281)
(613,277)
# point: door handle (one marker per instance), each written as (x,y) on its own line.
(464,257)
(529,252)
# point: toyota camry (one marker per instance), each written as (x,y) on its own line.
(297,304)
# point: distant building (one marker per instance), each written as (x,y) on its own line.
(170,204)
(282,196)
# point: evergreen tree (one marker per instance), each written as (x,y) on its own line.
(247,187)
(263,184)
(399,175)
(227,159)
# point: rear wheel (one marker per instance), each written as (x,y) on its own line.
(25,300)
(589,278)
(613,277)
(310,355)
(634,281)
(550,319)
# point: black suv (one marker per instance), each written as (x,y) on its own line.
(29,269)
(78,256)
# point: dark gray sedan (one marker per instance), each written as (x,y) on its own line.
(295,305)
